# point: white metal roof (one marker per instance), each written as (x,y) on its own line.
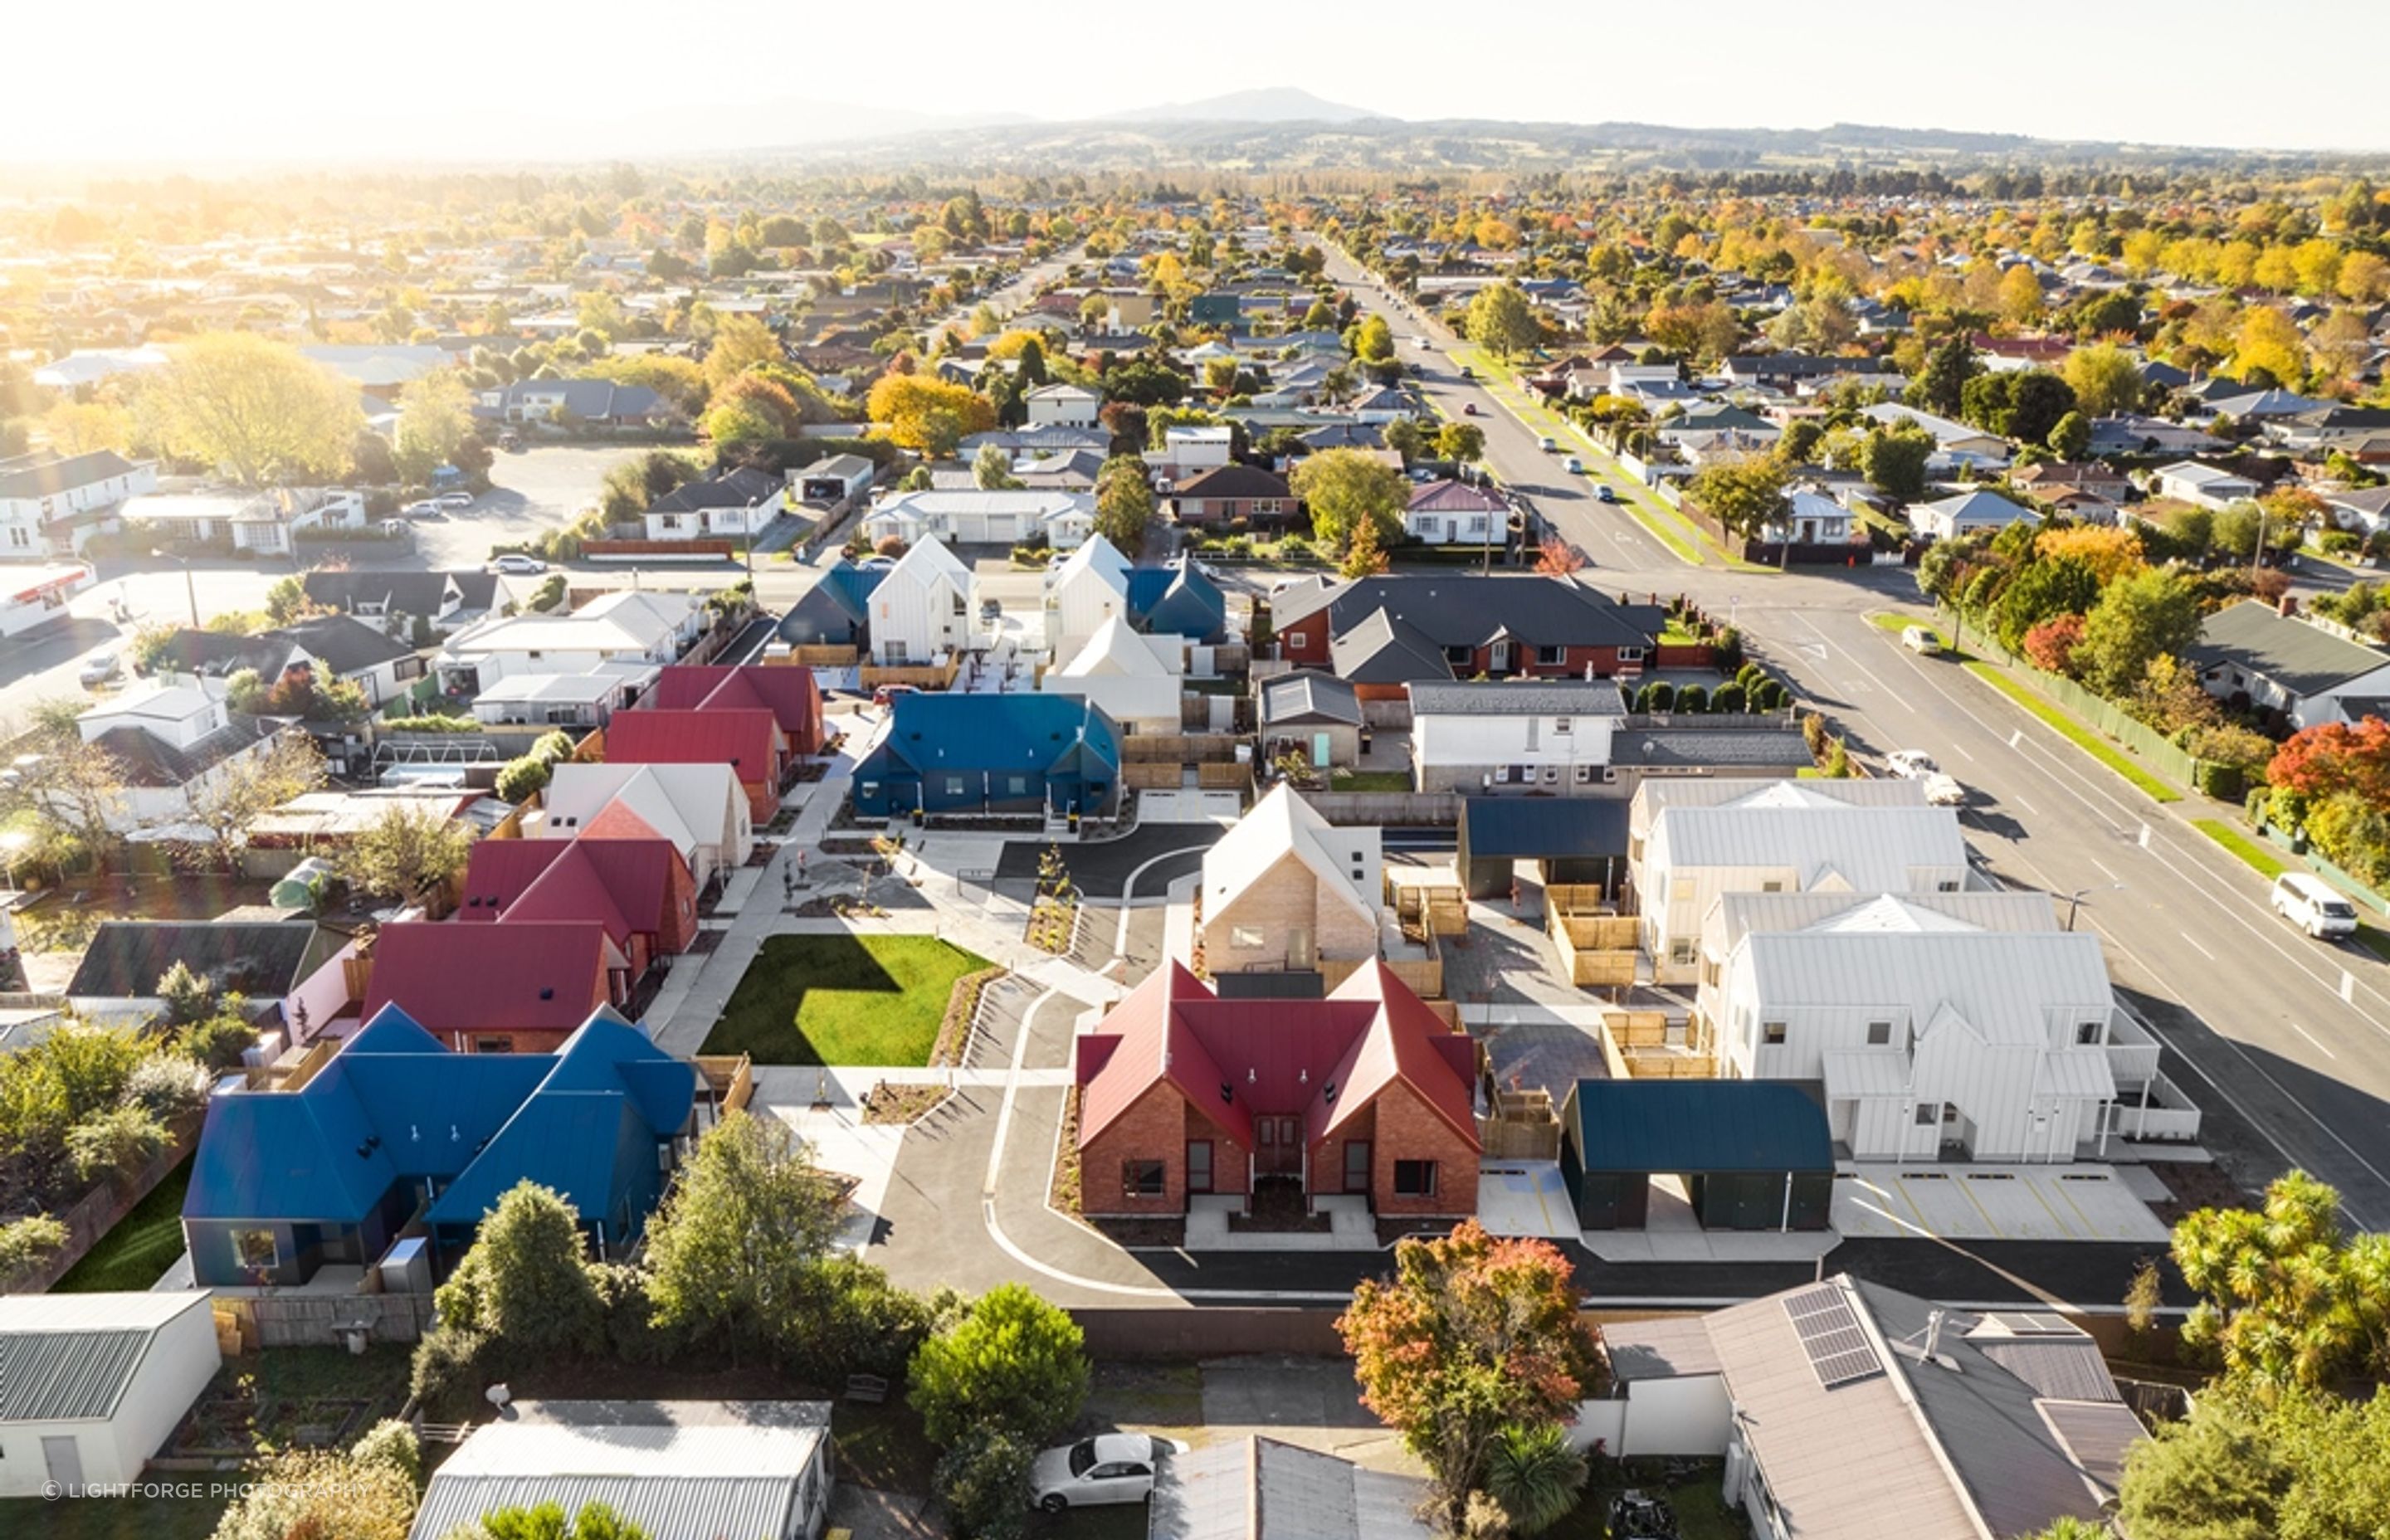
(2009,986)
(1859,849)
(71,1358)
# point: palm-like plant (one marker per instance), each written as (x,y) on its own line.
(1534,1475)
(2285,1303)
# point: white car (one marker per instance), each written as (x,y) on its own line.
(1919,639)
(2313,906)
(455,500)
(1942,790)
(427,508)
(1108,1467)
(1911,765)
(516,564)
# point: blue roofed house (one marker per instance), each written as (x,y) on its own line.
(969,755)
(397,1131)
(1180,598)
(836,611)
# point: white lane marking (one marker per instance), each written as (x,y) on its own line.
(2192,941)
(2314,1039)
(2105,867)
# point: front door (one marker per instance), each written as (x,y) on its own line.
(1199,1165)
(1357,1166)
(63,1460)
(1298,948)
(1277,1146)
(1500,661)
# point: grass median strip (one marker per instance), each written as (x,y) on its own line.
(2264,862)
(2074,732)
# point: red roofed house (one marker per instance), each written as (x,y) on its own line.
(748,740)
(790,694)
(639,889)
(1366,1092)
(518,988)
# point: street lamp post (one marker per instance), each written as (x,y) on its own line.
(190,587)
(2075,900)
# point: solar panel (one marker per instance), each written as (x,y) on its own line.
(1839,1348)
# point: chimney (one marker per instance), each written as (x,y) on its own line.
(2287,606)
(1934,1333)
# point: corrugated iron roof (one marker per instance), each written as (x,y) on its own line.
(67,1357)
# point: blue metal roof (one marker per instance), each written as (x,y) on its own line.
(1686,1126)
(1179,599)
(396,1105)
(1542,827)
(1012,734)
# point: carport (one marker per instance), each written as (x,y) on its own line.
(1577,840)
(1753,1155)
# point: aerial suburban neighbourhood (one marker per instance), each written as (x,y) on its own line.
(1246,820)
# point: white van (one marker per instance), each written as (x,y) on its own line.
(2311,905)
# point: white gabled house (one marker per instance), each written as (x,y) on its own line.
(2205,486)
(921,610)
(1964,513)
(52,505)
(701,808)
(1784,837)
(738,504)
(1082,592)
(628,626)
(1062,406)
(1136,679)
(1286,890)
(975,517)
(1532,737)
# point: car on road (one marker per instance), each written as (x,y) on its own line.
(1108,1467)
(1469,408)
(1920,640)
(1943,790)
(98,669)
(1602,494)
(1421,343)
(516,564)
(1574,466)
(1548,445)
(455,500)
(1910,765)
(1468,373)
(2314,906)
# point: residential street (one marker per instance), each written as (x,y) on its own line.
(2281,1032)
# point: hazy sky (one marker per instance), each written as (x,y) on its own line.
(498,80)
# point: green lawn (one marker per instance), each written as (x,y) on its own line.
(2074,732)
(842,999)
(144,1244)
(1370,780)
(121,1518)
(2256,856)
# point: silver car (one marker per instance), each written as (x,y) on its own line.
(1108,1467)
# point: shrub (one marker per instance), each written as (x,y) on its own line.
(1534,1475)
(2339,542)
(632,1333)
(1692,697)
(389,1444)
(1769,695)
(431,723)
(984,1480)
(26,1245)
(2224,782)
(890,544)
(1813,732)
(1730,698)
(525,1281)
(1658,696)
(1012,1362)
(2353,835)
(554,748)
(521,777)
(115,1143)
(1728,648)
(220,1041)
(167,1086)
(450,1365)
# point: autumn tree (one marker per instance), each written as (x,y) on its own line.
(407,855)
(1366,557)
(1471,1335)
(2152,611)
(369,1492)
(2333,757)
(1502,322)
(740,342)
(248,788)
(928,414)
(1125,505)
(2268,342)
(1344,487)
(258,410)
(435,416)
(1461,442)
(1742,495)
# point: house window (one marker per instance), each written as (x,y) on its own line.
(1630,654)
(1199,1165)
(1294,638)
(1142,1179)
(1584,774)
(1945,887)
(255,1249)
(1680,952)
(1459,656)
(1928,1113)
(1552,657)
(493,1045)
(1247,938)
(1016,786)
(1560,727)
(1772,1033)
(953,786)
(1414,1179)
(895,649)
(961,603)
(1878,1034)
(2087,1034)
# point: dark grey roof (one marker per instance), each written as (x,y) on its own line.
(1233,481)
(127,958)
(1381,650)
(148,760)
(44,475)
(844,467)
(1472,609)
(1689,1126)
(736,489)
(1670,1347)
(1308,696)
(1514,829)
(2068,1369)
(347,643)
(1518,696)
(1692,746)
(411,593)
(2302,659)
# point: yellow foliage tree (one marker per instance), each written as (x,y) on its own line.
(2109,553)
(927,416)
(255,408)
(2269,340)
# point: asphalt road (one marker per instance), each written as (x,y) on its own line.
(2283,1042)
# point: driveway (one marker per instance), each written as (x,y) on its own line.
(1102,869)
(540,489)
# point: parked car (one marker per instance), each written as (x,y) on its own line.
(1108,1467)
(2314,906)
(1603,495)
(427,508)
(1911,765)
(99,668)
(516,564)
(455,500)
(1548,445)
(1468,373)
(1943,790)
(886,694)
(1920,639)
(1574,466)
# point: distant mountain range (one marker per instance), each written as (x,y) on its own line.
(1275,104)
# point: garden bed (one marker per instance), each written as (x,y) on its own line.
(293,1398)
(902,1101)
